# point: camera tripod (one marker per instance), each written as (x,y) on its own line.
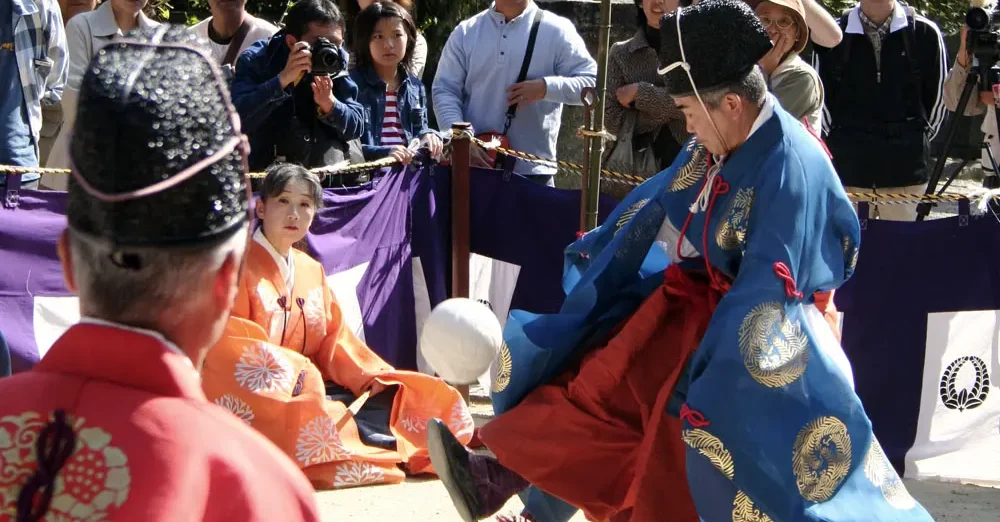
(975,78)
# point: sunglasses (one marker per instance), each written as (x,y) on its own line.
(782,23)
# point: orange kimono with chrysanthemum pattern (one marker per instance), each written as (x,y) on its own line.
(271,366)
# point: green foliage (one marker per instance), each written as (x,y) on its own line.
(191,11)
(438,19)
(948,14)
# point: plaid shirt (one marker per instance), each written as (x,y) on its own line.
(40,48)
(876,33)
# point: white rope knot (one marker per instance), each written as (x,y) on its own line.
(701,203)
(979,199)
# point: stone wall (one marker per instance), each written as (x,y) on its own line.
(586,16)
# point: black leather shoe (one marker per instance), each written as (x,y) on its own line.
(451,462)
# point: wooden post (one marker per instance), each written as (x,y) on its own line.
(597,122)
(461,181)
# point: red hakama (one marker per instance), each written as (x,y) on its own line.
(599,437)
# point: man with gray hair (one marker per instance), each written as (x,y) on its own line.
(689,371)
(158,223)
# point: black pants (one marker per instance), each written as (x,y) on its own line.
(373,419)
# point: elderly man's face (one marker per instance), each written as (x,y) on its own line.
(700,122)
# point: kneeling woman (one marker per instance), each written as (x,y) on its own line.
(292,368)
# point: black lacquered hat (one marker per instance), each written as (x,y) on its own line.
(158,156)
(722,41)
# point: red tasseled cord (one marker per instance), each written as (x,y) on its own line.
(719,186)
(693,417)
(783,273)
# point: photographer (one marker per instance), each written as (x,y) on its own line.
(294,97)
(977,103)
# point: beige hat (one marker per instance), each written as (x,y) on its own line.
(798,13)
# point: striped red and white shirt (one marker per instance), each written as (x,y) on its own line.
(392,129)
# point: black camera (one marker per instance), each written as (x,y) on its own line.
(326,58)
(982,39)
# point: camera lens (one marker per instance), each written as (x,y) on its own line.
(977,19)
(329,58)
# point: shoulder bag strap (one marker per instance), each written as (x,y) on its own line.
(535,23)
(234,46)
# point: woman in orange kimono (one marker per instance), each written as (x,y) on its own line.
(290,366)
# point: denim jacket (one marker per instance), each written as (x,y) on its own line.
(266,109)
(411,100)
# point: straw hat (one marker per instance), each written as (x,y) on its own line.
(798,13)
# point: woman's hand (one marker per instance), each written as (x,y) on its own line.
(434,143)
(401,154)
(626,94)
(773,58)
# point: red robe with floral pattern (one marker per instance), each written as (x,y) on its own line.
(148,445)
(270,371)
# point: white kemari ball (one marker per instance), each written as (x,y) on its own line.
(460,340)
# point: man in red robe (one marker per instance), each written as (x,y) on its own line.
(112,423)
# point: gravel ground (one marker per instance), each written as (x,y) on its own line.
(425,500)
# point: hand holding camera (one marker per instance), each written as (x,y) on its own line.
(321,59)
(298,64)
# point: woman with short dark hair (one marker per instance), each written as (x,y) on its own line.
(639,90)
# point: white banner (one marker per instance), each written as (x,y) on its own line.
(958,431)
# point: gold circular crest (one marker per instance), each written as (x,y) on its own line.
(629,214)
(821,458)
(773,347)
(93,480)
(881,474)
(504,366)
(745,511)
(711,448)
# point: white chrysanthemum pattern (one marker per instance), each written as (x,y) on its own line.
(263,368)
(353,474)
(414,422)
(315,310)
(461,422)
(238,406)
(319,442)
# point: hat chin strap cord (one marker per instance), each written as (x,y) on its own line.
(683,64)
(701,203)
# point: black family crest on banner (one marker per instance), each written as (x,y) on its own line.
(966,398)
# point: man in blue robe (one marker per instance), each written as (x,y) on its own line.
(734,239)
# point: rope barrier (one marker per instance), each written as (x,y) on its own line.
(574,168)
(345,169)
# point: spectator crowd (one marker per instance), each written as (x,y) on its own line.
(342,84)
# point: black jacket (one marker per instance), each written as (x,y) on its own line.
(880,118)
(281,121)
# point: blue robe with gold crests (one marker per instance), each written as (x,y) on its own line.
(785,438)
